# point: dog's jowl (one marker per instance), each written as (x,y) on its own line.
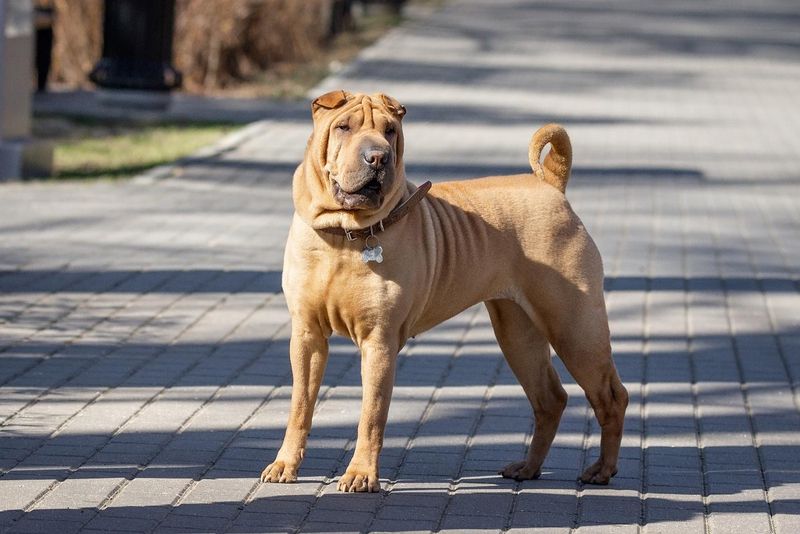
(375,258)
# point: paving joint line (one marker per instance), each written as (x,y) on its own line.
(32,505)
(743,387)
(349,445)
(322,398)
(792,381)
(487,395)
(690,342)
(93,399)
(275,388)
(644,386)
(117,490)
(392,482)
(587,428)
(183,494)
(42,274)
(697,419)
(517,489)
(61,289)
(100,357)
(87,330)
(120,343)
(41,496)
(92,296)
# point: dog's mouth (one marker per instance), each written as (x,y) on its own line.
(367,197)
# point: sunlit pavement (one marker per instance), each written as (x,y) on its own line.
(143,335)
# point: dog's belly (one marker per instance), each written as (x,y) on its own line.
(452,293)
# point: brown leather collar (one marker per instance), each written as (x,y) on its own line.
(395,215)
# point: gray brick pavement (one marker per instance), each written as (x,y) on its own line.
(144,380)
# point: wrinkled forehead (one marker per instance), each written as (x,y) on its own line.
(366,110)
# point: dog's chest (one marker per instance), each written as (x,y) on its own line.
(339,286)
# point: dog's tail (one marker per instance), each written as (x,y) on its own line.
(557,164)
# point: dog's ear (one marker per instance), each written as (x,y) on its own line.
(394,106)
(332,100)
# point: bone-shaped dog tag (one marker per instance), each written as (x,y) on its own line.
(372,254)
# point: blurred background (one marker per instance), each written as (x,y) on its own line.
(143,331)
(106,74)
(219,46)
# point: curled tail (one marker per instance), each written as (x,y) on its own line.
(557,164)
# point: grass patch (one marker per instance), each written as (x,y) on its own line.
(87,148)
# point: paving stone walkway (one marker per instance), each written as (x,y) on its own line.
(144,378)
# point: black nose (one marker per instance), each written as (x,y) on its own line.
(376,158)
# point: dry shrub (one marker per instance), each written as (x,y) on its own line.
(230,40)
(216,44)
(77,40)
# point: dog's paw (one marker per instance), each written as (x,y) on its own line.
(598,474)
(279,471)
(521,471)
(359,481)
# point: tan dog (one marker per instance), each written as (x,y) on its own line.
(512,242)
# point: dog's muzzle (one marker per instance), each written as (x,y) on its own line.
(369,196)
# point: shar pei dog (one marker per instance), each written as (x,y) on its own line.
(374,258)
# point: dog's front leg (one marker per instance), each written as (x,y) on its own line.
(308,351)
(377,380)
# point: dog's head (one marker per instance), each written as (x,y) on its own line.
(359,145)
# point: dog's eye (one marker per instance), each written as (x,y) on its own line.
(390,130)
(343,127)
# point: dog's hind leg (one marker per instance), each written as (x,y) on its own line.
(528,354)
(584,347)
